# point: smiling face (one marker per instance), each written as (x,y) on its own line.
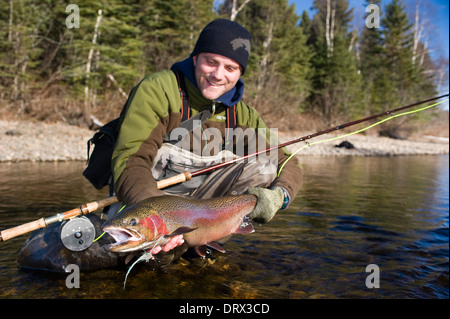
(215,74)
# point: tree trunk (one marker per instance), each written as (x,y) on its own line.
(89,61)
(10,22)
(234,11)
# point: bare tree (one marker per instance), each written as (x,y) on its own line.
(89,60)
(330,25)
(10,22)
(235,11)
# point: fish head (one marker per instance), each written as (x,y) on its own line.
(135,228)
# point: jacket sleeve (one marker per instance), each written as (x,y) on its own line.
(149,116)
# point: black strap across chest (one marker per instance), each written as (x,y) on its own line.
(186,105)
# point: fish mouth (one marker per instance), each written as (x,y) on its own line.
(126,239)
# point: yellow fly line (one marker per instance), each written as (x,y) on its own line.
(391,117)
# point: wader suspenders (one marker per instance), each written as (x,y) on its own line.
(185,101)
(231,124)
(202,116)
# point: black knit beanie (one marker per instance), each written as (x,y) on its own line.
(227,38)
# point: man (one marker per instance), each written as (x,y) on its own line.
(212,76)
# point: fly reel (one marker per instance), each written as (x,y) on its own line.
(77,234)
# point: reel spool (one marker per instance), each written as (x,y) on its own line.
(77,234)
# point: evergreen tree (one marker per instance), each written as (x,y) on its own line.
(397,52)
(371,64)
(391,78)
(172,30)
(306,25)
(403,81)
(48,70)
(279,64)
(406,76)
(336,82)
(22,34)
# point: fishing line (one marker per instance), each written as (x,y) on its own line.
(392,116)
(99,237)
(145,256)
(104,231)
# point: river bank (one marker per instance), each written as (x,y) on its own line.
(367,145)
(41,142)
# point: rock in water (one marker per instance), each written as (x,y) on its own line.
(346,145)
(44,250)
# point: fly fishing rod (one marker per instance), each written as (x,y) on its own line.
(182,177)
(307,137)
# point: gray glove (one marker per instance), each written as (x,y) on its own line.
(269,202)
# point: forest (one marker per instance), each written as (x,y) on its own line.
(76,62)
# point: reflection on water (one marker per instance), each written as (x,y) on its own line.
(351,212)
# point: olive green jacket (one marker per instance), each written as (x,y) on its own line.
(153,110)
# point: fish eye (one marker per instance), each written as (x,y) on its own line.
(133,222)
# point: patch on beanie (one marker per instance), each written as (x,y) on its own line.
(239,43)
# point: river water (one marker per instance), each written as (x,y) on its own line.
(388,213)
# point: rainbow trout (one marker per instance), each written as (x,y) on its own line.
(155,220)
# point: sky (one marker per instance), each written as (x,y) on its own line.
(441,21)
(438,18)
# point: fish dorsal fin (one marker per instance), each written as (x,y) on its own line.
(181,231)
(245,228)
